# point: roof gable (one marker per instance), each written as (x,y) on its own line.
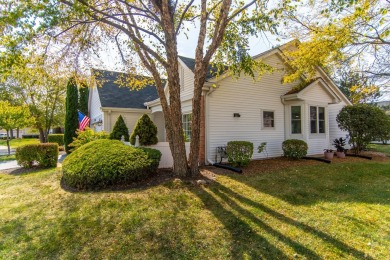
(316,87)
(111,94)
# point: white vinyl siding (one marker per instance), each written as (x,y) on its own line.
(130,119)
(247,97)
(334,130)
(95,112)
(317,93)
(188,81)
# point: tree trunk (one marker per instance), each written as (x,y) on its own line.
(42,138)
(175,127)
(11,133)
(8,146)
(195,124)
(17,133)
(176,142)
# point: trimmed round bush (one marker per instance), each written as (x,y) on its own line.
(294,149)
(45,155)
(56,138)
(103,163)
(154,155)
(239,152)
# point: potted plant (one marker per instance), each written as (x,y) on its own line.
(339,144)
(328,154)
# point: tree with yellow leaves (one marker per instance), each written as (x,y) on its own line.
(338,34)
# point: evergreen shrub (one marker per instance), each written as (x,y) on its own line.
(71,117)
(239,153)
(154,155)
(86,136)
(104,163)
(45,155)
(294,149)
(120,129)
(56,138)
(146,130)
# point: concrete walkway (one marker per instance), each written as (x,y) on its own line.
(4,150)
(13,164)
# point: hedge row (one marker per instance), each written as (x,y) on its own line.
(56,138)
(45,155)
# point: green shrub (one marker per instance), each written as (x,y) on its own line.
(71,116)
(45,155)
(120,129)
(86,136)
(364,123)
(146,130)
(239,152)
(56,138)
(103,163)
(294,149)
(154,155)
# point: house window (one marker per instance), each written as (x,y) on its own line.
(187,119)
(296,120)
(317,120)
(268,119)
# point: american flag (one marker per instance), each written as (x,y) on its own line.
(83,121)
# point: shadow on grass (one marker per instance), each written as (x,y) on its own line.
(351,182)
(245,240)
(253,244)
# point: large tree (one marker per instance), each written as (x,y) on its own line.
(28,80)
(340,34)
(357,88)
(149,30)
(12,117)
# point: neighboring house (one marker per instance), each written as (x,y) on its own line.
(108,99)
(259,111)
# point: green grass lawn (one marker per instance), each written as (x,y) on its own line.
(4,158)
(383,148)
(15,143)
(335,211)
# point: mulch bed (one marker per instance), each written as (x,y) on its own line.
(280,163)
(209,173)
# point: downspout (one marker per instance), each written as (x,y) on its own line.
(206,115)
(284,115)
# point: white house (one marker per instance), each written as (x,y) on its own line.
(263,110)
(108,99)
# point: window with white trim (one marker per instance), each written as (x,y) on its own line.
(317,120)
(187,120)
(268,119)
(296,120)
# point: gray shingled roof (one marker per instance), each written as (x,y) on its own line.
(190,63)
(113,95)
